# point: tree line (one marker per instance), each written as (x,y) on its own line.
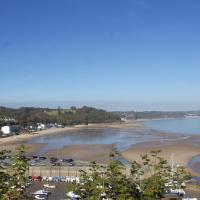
(156,114)
(26,116)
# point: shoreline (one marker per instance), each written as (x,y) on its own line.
(167,118)
(184,148)
(26,136)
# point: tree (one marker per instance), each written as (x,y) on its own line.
(4,177)
(13,183)
(59,110)
(73,108)
(153,187)
(115,187)
(93,182)
(19,167)
(109,181)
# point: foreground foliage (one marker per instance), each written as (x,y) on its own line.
(147,180)
(13,181)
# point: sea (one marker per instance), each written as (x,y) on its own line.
(188,126)
(123,139)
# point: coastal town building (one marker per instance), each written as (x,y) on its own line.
(41,126)
(7,119)
(8,130)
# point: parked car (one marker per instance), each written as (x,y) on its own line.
(70,164)
(53,159)
(72,195)
(41,194)
(34,156)
(49,186)
(67,160)
(42,158)
(56,179)
(56,164)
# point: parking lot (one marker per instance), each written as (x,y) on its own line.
(56,194)
(59,192)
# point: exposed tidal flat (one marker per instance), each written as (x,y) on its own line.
(94,142)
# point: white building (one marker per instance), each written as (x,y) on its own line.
(41,126)
(6,130)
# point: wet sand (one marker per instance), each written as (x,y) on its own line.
(30,148)
(25,137)
(88,153)
(84,152)
(183,149)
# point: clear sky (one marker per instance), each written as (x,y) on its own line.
(115,54)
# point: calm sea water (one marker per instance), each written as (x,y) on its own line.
(187,126)
(184,126)
(122,139)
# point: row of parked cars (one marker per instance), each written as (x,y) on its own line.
(55,178)
(41,161)
(53,161)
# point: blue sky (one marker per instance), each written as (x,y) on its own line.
(115,54)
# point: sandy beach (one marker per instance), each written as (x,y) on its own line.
(88,153)
(183,149)
(24,137)
(11,143)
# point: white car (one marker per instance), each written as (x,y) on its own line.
(72,195)
(49,186)
(174,183)
(40,197)
(41,192)
(177,191)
